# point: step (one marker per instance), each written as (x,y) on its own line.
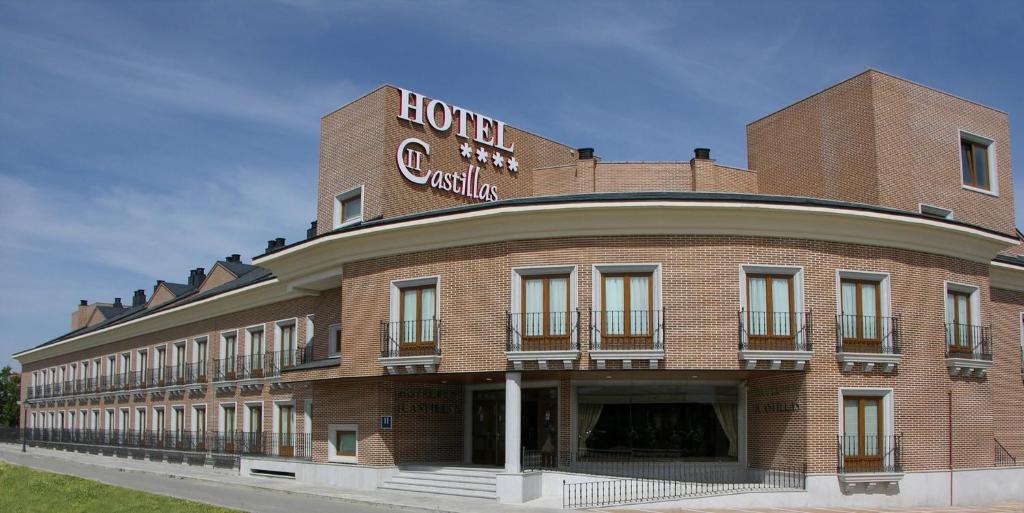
(456,492)
(438,483)
(428,476)
(463,471)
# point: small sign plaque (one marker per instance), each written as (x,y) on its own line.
(385,421)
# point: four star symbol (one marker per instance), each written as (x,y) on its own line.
(481,154)
(466,150)
(513,164)
(498,159)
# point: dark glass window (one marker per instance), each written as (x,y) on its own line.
(974,164)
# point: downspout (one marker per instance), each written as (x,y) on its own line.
(950,416)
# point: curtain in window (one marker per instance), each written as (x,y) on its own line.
(533,320)
(558,296)
(780,306)
(871,433)
(726,413)
(849,297)
(588,417)
(758,301)
(869,315)
(427,314)
(409,315)
(614,299)
(639,319)
(851,429)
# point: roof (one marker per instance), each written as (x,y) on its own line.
(179,289)
(253,275)
(237,268)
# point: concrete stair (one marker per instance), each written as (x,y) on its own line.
(478,482)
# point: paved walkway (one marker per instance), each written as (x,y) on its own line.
(224,487)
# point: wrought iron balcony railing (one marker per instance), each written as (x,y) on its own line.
(774,331)
(869,453)
(410,338)
(542,331)
(968,341)
(867,334)
(627,330)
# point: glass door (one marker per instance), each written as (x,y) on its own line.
(417,318)
(860,319)
(626,315)
(863,434)
(545,313)
(770,318)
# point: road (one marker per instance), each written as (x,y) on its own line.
(242,498)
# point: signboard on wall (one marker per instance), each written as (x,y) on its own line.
(386,421)
(483,147)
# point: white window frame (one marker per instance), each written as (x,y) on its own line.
(95,420)
(974,293)
(395,301)
(884,291)
(245,418)
(159,411)
(124,413)
(332,450)
(195,418)
(279,336)
(276,417)
(221,416)
(333,335)
(222,346)
(888,412)
(249,330)
(518,273)
(310,329)
(140,422)
(597,276)
(795,271)
(345,196)
(990,150)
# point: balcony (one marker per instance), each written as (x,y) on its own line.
(627,335)
(867,341)
(775,337)
(968,349)
(868,461)
(410,345)
(542,337)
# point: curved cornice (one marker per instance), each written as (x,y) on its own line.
(629,217)
(1006,276)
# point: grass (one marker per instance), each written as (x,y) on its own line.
(23,489)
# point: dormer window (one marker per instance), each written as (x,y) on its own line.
(976,162)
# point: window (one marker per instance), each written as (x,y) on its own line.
(976,161)
(200,357)
(159,422)
(863,433)
(179,423)
(199,421)
(545,311)
(348,207)
(626,301)
(161,365)
(126,367)
(228,419)
(286,343)
(229,345)
(417,315)
(142,365)
(959,319)
(254,422)
(179,362)
(344,443)
(334,340)
(286,429)
(255,349)
(861,307)
(140,420)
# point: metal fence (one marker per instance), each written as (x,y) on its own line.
(968,341)
(410,338)
(654,477)
(263,444)
(867,334)
(1003,457)
(774,331)
(542,331)
(868,453)
(629,330)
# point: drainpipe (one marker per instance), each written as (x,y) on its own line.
(950,446)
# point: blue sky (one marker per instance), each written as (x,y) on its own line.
(141,139)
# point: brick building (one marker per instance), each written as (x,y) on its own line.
(481,311)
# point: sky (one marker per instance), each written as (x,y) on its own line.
(139,140)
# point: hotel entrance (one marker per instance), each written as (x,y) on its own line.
(539,421)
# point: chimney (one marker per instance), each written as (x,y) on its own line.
(311,232)
(139,298)
(191,277)
(702,153)
(117,303)
(585,153)
(78,316)
(280,242)
(271,244)
(200,275)
(234,257)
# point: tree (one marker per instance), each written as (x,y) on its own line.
(10,391)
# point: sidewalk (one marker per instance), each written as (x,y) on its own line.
(229,478)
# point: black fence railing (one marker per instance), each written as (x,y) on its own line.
(867,334)
(628,330)
(258,365)
(410,338)
(284,445)
(869,453)
(968,341)
(637,479)
(774,331)
(542,331)
(1003,457)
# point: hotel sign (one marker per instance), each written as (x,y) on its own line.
(483,147)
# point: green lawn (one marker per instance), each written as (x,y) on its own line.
(23,489)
